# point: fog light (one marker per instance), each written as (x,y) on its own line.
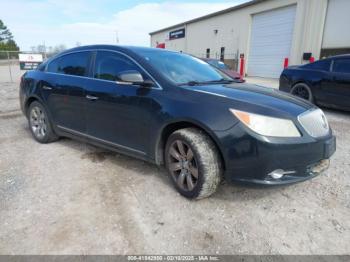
(278,173)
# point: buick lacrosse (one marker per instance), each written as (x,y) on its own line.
(174,109)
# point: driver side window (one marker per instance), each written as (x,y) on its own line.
(109,65)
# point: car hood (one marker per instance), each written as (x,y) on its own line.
(257,99)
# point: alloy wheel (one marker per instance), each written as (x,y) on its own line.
(38,122)
(182,165)
(302,92)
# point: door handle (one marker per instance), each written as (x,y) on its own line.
(92,98)
(47,87)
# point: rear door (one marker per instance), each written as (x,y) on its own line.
(341,81)
(67,80)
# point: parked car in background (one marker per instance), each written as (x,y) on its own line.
(325,82)
(171,108)
(224,68)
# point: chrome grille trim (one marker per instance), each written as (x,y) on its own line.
(314,122)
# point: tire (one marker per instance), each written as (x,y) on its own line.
(195,166)
(39,123)
(302,90)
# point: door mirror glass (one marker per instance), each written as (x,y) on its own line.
(130,76)
(133,77)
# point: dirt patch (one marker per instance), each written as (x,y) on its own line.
(97,157)
(10,116)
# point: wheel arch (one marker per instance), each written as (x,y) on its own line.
(171,127)
(308,86)
(28,102)
(301,81)
(32,99)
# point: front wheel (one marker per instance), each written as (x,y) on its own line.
(302,90)
(193,163)
(40,124)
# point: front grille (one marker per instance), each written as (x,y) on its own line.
(314,122)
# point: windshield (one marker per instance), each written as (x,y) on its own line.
(182,68)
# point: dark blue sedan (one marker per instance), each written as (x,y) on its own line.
(174,109)
(325,82)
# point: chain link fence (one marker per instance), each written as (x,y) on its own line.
(230,59)
(10,66)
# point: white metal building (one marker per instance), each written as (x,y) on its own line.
(265,32)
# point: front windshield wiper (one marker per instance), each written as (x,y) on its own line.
(196,83)
(190,83)
(221,80)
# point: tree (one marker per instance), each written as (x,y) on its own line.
(5,33)
(59,48)
(48,50)
(6,39)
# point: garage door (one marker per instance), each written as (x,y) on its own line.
(270,42)
(336,25)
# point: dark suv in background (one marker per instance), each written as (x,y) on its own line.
(174,109)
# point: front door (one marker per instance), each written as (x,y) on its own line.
(119,114)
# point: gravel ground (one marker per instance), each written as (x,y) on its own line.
(72,198)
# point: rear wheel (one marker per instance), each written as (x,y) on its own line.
(193,163)
(40,124)
(302,90)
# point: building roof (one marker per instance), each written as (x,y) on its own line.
(253,2)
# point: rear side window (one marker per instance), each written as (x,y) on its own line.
(322,65)
(71,64)
(341,66)
(109,65)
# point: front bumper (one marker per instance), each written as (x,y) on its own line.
(250,158)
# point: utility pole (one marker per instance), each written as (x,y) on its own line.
(44,50)
(9,63)
(116,37)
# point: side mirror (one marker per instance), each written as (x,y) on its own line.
(133,77)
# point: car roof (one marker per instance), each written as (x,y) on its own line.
(116,48)
(340,56)
(331,58)
(130,50)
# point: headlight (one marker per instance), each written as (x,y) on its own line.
(266,125)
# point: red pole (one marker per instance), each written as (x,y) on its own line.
(160,45)
(285,65)
(312,59)
(241,69)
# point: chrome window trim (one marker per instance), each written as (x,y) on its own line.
(100,140)
(108,50)
(332,65)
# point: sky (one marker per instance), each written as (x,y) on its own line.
(55,22)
